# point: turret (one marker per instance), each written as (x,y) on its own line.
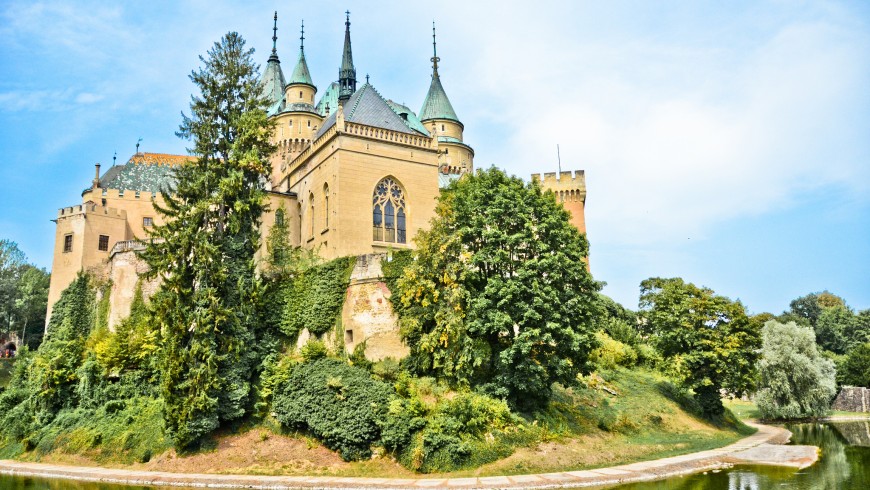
(300,89)
(273,77)
(439,118)
(347,73)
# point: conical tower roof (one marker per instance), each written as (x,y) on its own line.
(273,82)
(436,105)
(347,73)
(301,75)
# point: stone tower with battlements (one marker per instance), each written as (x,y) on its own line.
(570,190)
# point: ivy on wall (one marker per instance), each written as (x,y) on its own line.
(313,299)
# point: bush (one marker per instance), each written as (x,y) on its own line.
(796,381)
(611,353)
(313,350)
(339,404)
(313,298)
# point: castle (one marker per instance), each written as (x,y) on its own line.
(355,174)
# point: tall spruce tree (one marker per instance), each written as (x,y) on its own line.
(204,253)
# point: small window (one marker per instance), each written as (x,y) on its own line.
(442,127)
(103,246)
(147,221)
(279,217)
(67,243)
(348,336)
(291,123)
(138,194)
(309,123)
(300,94)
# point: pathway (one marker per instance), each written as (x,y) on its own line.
(758,447)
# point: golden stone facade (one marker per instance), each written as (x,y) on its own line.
(354,174)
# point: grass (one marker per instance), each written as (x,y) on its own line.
(615,417)
(745,410)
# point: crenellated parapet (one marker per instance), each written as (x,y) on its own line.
(89,208)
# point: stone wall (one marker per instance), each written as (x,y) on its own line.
(852,399)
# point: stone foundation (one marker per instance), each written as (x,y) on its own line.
(852,399)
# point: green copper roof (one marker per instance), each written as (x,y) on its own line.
(436,105)
(408,115)
(330,98)
(272,82)
(301,74)
(146,172)
(367,107)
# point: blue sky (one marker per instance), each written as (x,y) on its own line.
(727,143)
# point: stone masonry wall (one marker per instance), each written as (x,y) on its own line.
(853,399)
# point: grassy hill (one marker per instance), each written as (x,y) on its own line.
(614,417)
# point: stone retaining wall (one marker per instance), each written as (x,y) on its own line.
(852,399)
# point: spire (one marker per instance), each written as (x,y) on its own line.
(436,105)
(274,56)
(347,73)
(435,59)
(301,75)
(272,82)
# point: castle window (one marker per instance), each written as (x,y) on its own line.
(300,95)
(291,123)
(309,123)
(311,218)
(442,127)
(67,243)
(147,221)
(279,217)
(325,207)
(103,245)
(388,212)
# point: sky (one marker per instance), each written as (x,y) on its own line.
(727,143)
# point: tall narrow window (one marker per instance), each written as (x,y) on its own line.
(103,245)
(67,243)
(279,217)
(325,206)
(388,212)
(311,218)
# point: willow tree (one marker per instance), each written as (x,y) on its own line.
(204,254)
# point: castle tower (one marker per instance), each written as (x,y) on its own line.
(570,191)
(300,89)
(296,119)
(347,73)
(273,77)
(439,118)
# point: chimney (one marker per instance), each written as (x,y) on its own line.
(97,176)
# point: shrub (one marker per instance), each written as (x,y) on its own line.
(313,298)
(339,404)
(611,353)
(855,368)
(313,350)
(796,381)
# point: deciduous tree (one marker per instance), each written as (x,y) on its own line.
(498,295)
(709,341)
(796,381)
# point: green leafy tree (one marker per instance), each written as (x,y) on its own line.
(810,306)
(206,305)
(707,340)
(796,381)
(31,303)
(12,261)
(498,295)
(834,328)
(855,369)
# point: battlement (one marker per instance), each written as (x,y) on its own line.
(565,179)
(89,208)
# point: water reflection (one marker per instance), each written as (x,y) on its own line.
(27,483)
(844,464)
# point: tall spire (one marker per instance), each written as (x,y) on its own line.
(347,73)
(274,56)
(436,105)
(272,82)
(300,72)
(435,59)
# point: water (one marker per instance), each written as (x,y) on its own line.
(844,465)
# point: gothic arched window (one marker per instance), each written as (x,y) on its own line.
(388,212)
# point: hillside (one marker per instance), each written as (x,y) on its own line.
(620,416)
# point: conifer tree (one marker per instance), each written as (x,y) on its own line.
(204,253)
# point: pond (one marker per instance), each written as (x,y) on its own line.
(844,464)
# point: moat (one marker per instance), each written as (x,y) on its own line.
(844,464)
